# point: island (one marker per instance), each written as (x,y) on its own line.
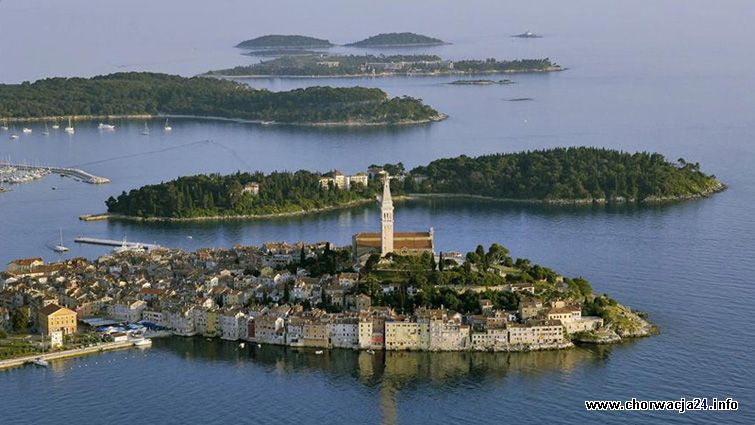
(397,39)
(314,66)
(313,296)
(481,82)
(275,41)
(144,94)
(579,175)
(527,34)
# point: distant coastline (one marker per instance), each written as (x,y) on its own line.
(440,117)
(556,68)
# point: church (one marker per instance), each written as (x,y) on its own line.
(387,241)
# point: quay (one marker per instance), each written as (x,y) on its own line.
(115,243)
(74,173)
(107,346)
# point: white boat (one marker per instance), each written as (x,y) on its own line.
(144,342)
(26,130)
(60,247)
(39,361)
(370,351)
(103,126)
(70,129)
(13,136)
(167,126)
(46,131)
(4,127)
(259,345)
(55,126)
(145,132)
(318,352)
(242,345)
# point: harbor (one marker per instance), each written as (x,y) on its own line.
(23,173)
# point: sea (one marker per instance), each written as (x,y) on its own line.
(673,77)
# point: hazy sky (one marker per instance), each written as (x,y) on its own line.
(40,38)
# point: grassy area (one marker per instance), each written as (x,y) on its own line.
(16,346)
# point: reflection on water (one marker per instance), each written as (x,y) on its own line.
(390,373)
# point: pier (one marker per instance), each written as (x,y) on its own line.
(107,346)
(74,173)
(115,243)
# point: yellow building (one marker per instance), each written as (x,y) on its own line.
(56,318)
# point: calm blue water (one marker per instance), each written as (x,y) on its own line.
(672,77)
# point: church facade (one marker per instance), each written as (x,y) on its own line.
(387,241)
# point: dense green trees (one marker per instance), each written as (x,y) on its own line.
(149,93)
(397,39)
(563,174)
(216,195)
(274,41)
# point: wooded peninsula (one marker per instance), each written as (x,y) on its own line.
(577,175)
(144,93)
(320,65)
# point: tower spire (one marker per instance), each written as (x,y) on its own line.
(386,209)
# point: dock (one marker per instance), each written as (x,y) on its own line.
(115,243)
(108,346)
(74,173)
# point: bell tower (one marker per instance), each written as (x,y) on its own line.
(386,209)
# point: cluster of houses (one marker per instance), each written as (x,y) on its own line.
(342,181)
(248,294)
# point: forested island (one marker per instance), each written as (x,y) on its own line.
(148,94)
(381,65)
(398,39)
(572,175)
(275,41)
(560,175)
(240,194)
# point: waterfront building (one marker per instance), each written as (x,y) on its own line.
(536,332)
(344,332)
(24,265)
(54,318)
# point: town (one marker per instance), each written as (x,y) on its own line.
(387,291)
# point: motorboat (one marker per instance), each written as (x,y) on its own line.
(144,342)
(318,352)
(242,345)
(26,130)
(103,126)
(370,351)
(39,361)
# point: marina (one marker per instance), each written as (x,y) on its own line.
(23,173)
